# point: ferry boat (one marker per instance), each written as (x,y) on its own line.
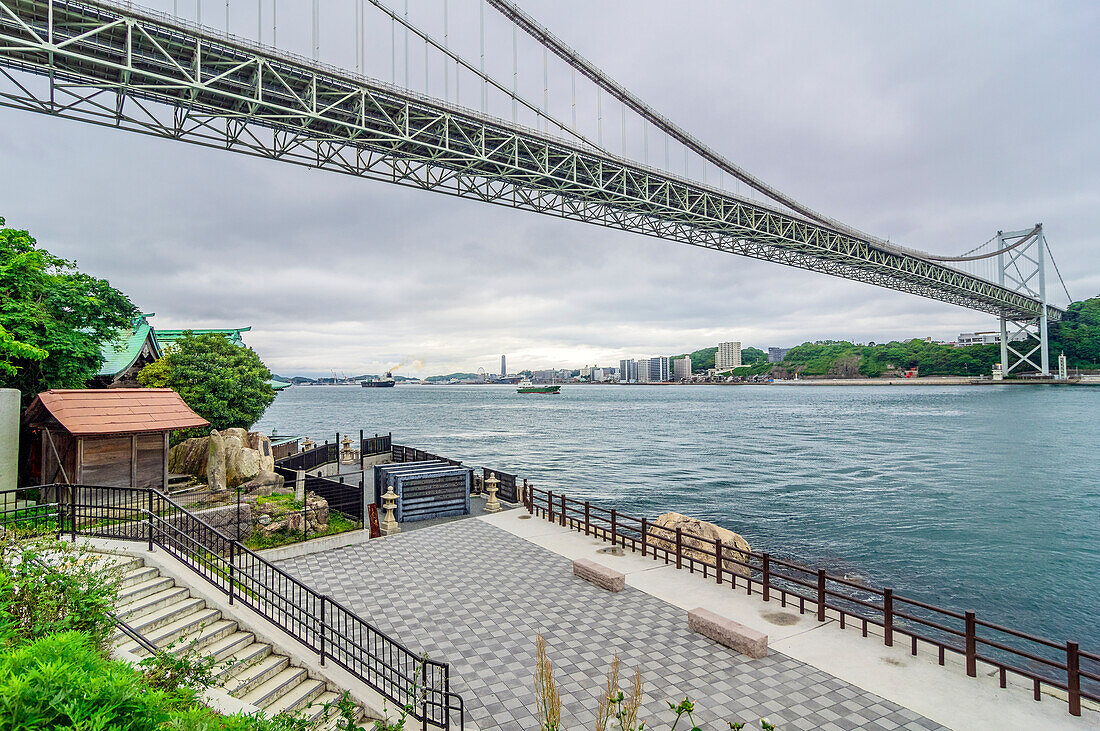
(526,386)
(386,382)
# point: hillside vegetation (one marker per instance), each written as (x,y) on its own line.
(1078,336)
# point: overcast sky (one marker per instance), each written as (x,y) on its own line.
(934,124)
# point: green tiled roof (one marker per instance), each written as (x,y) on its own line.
(278,385)
(167,337)
(120,353)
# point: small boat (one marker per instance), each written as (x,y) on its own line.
(526,386)
(386,382)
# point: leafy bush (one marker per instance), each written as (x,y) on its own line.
(223,382)
(48,587)
(62,681)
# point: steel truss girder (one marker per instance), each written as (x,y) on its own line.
(144,72)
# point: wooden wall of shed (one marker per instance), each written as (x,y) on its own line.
(150,460)
(107,461)
(58,443)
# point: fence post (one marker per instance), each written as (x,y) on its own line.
(614,527)
(971,645)
(1073,678)
(149,493)
(72,506)
(679,544)
(324,598)
(718,560)
(821,595)
(766,579)
(424,691)
(563,509)
(232,568)
(645,537)
(888,617)
(587,518)
(550,505)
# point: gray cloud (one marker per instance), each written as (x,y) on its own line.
(933,124)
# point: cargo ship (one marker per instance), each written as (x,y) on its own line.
(386,382)
(525,386)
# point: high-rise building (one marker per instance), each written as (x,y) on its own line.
(657,369)
(728,356)
(643,371)
(681,368)
(776,355)
(503,367)
(628,371)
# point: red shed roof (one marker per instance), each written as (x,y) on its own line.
(87,412)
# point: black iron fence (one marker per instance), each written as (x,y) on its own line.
(508,490)
(311,459)
(1043,662)
(317,621)
(399,453)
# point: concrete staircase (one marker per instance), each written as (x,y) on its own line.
(252,671)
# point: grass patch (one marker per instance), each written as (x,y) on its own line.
(337,523)
(281,500)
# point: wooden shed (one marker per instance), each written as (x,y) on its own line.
(115,438)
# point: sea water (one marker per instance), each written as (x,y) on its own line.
(983,498)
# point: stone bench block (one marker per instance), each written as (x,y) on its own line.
(600,575)
(725,631)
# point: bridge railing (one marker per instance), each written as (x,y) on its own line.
(1044,663)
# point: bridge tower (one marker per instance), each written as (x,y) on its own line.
(1021,266)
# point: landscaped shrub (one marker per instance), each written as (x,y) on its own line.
(48,586)
(61,681)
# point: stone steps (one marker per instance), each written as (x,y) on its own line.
(167,615)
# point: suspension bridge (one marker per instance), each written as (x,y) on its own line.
(174,74)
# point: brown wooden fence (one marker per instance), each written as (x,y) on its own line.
(1063,666)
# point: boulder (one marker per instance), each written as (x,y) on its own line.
(241,463)
(215,462)
(241,435)
(262,444)
(698,534)
(189,457)
(263,483)
(317,508)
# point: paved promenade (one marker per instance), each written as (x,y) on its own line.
(475,594)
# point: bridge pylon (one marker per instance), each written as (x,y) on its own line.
(1021,267)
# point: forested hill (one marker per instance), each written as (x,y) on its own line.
(1077,335)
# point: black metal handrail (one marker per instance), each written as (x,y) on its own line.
(896,615)
(315,620)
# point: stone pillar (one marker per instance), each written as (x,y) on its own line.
(492,485)
(9,446)
(300,485)
(389,504)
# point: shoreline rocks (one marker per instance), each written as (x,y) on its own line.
(697,541)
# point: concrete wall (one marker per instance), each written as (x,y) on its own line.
(9,444)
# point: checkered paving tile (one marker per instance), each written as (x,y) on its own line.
(473,595)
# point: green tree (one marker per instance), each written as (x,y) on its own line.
(753,356)
(224,383)
(53,318)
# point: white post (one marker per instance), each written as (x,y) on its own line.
(1004,322)
(1040,257)
(9,446)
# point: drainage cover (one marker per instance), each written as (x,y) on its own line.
(616,551)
